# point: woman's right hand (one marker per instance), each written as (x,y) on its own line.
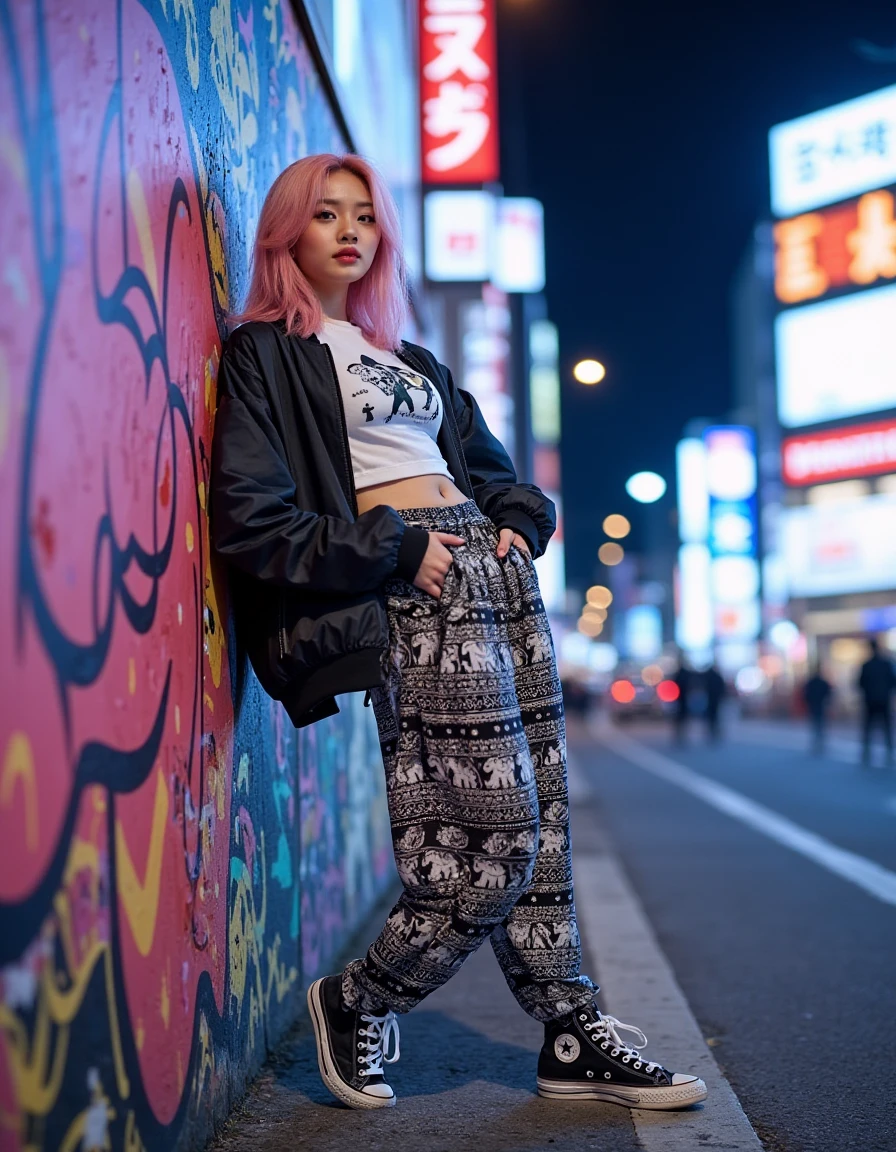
(436,562)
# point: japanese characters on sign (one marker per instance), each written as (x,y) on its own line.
(458,91)
(841,454)
(853,244)
(833,154)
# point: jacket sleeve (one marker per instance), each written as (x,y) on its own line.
(496,490)
(254,521)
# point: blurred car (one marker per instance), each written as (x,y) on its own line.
(630,697)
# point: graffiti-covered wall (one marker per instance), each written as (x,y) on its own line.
(176,861)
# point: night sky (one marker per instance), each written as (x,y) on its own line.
(643,130)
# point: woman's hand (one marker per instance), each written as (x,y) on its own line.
(506,537)
(436,562)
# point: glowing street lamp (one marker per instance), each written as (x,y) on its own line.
(645,487)
(617,526)
(589,372)
(610,554)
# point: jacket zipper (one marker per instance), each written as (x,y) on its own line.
(452,422)
(346,449)
(284,643)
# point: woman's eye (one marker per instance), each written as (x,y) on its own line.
(325,213)
(367,219)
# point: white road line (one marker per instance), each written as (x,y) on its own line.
(639,987)
(865,874)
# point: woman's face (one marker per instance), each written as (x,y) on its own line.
(338,246)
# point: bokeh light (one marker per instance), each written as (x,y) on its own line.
(610,554)
(667,690)
(622,691)
(599,595)
(617,526)
(589,371)
(589,626)
(652,675)
(645,487)
(594,613)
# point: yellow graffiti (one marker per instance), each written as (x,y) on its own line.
(189,535)
(140,214)
(141,900)
(205,1063)
(133,1142)
(132,676)
(165,1001)
(235,73)
(18,764)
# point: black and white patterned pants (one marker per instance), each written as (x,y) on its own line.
(471,726)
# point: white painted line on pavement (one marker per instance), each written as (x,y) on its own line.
(640,988)
(865,874)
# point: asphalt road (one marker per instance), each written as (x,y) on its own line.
(789,968)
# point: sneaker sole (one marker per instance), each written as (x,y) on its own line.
(327,1065)
(658,1099)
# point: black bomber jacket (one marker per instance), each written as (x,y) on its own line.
(306,570)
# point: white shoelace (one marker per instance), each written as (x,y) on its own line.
(609,1027)
(381,1032)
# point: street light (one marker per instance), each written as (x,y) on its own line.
(617,526)
(589,372)
(645,487)
(610,554)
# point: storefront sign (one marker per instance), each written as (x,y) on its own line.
(854,244)
(862,450)
(458,91)
(833,154)
(458,231)
(841,546)
(837,358)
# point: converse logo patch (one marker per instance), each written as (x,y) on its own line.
(566,1048)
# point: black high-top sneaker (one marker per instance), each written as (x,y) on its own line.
(351,1046)
(584,1058)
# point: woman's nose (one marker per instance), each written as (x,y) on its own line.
(348,233)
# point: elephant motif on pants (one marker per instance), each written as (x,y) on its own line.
(498,843)
(408,770)
(426,645)
(479,656)
(566,935)
(492,873)
(553,839)
(500,772)
(540,647)
(441,865)
(408,870)
(450,659)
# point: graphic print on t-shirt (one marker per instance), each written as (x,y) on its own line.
(397,383)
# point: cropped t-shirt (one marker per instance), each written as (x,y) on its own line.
(392,413)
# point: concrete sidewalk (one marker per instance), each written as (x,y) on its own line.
(466,1078)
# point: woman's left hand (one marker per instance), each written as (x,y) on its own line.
(506,537)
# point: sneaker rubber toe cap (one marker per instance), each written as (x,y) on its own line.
(381,1091)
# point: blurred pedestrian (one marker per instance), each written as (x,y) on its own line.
(817,694)
(683,680)
(877,682)
(396,554)
(714,687)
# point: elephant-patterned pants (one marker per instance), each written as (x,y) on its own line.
(471,726)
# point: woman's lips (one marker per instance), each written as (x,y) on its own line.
(347,258)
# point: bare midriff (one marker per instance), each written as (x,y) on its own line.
(413,492)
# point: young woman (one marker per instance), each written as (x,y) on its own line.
(379,539)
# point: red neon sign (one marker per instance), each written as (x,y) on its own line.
(458,91)
(860,450)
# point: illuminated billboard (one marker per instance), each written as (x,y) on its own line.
(837,358)
(838,547)
(834,154)
(852,245)
(859,450)
(458,91)
(458,230)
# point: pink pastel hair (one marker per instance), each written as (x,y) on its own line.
(377,302)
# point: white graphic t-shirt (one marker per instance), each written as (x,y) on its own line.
(393,414)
